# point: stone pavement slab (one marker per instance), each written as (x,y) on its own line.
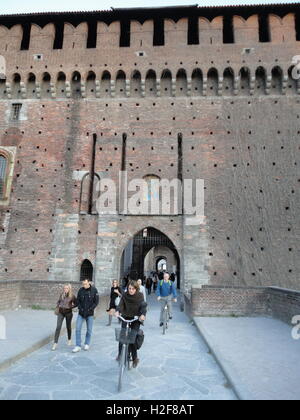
(26,331)
(258,355)
(176,366)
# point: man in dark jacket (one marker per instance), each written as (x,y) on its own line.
(87,302)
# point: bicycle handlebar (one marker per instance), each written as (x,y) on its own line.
(128,321)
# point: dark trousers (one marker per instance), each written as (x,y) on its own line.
(60,320)
(132,347)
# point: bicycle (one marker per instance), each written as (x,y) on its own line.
(166,318)
(125,336)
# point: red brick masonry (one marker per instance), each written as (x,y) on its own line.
(246,301)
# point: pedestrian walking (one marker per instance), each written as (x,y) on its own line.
(115,297)
(87,302)
(142,289)
(155,283)
(64,311)
(149,284)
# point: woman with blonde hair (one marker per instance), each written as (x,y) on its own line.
(115,296)
(64,310)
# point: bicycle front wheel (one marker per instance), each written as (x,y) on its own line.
(122,367)
(165,326)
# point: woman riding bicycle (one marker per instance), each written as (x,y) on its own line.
(132,304)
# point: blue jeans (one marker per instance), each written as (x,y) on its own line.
(89,324)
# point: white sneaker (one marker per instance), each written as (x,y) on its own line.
(76,349)
(86,347)
(69,343)
(54,347)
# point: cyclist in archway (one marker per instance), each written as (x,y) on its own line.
(132,304)
(165,290)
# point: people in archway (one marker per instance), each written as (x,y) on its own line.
(155,282)
(87,302)
(115,297)
(165,290)
(125,282)
(132,304)
(142,289)
(149,284)
(64,310)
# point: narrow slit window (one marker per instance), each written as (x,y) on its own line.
(125,34)
(92,34)
(59,36)
(26,37)
(297,26)
(264,29)
(159,32)
(16,111)
(193,31)
(3,170)
(228,32)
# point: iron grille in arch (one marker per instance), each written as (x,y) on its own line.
(86,271)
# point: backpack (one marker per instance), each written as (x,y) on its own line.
(162,282)
(140,339)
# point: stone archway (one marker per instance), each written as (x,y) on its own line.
(189,240)
(86,271)
(135,252)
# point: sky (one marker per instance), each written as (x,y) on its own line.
(30,6)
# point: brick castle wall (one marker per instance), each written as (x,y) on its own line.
(227,301)
(284,304)
(40,294)
(10,292)
(234,104)
(279,303)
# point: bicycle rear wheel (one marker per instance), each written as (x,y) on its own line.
(128,358)
(165,326)
(122,367)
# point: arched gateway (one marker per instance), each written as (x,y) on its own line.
(142,253)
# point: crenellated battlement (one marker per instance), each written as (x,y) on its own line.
(171,52)
(241,31)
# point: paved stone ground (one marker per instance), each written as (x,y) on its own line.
(258,354)
(177,366)
(23,330)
